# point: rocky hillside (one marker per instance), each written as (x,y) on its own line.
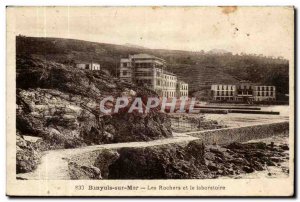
(59,104)
(200,69)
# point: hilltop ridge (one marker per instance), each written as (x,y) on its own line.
(199,69)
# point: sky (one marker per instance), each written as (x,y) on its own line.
(254,30)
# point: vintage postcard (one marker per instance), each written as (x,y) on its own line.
(150,101)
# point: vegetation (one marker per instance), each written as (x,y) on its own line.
(199,69)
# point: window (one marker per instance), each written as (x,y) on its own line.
(124,64)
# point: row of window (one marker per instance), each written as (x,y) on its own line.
(231,94)
(224,88)
(232,98)
(270,88)
(183,93)
(265,93)
(144,65)
(165,83)
(143,73)
(169,93)
(259,88)
(125,64)
(184,87)
(225,93)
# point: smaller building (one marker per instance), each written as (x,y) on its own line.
(182,89)
(88,65)
(169,86)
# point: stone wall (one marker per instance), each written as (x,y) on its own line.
(241,134)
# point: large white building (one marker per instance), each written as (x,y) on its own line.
(147,70)
(224,91)
(244,92)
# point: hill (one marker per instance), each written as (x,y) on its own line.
(199,69)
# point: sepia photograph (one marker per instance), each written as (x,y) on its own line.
(150,101)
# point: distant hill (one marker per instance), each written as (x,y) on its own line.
(218,51)
(133,46)
(199,69)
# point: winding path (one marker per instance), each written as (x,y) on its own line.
(54,163)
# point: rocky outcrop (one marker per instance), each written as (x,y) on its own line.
(78,172)
(184,160)
(173,161)
(237,158)
(94,166)
(27,155)
(60,104)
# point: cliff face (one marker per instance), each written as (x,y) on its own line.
(60,105)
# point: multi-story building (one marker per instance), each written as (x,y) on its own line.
(223,92)
(243,92)
(169,84)
(126,69)
(264,93)
(149,71)
(87,65)
(182,89)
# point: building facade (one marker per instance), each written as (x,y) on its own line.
(243,92)
(223,92)
(182,89)
(264,93)
(149,71)
(88,65)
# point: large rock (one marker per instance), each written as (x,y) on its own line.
(27,156)
(78,172)
(52,95)
(171,161)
